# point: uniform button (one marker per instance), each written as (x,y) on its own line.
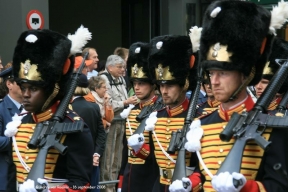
(168,121)
(224,126)
(167,138)
(26,157)
(220,150)
(167,129)
(168,163)
(33,127)
(27,147)
(30,137)
(219,162)
(243,106)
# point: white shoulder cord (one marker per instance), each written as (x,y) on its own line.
(11,130)
(165,153)
(193,143)
(124,115)
(204,165)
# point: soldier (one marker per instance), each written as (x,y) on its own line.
(234,56)
(279,51)
(139,174)
(211,104)
(42,67)
(172,58)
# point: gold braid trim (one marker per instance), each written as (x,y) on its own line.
(51,97)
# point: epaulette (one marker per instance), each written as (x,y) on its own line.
(72,115)
(206,115)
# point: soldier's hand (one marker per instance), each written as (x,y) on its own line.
(136,141)
(224,182)
(184,185)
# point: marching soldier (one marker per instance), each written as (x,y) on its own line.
(234,56)
(139,174)
(42,67)
(172,59)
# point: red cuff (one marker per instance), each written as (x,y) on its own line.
(66,188)
(250,186)
(195,178)
(120,181)
(143,153)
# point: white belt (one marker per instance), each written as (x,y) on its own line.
(168,173)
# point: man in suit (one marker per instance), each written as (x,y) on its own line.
(10,105)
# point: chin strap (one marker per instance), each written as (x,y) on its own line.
(51,97)
(244,85)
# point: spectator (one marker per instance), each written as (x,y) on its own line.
(118,96)
(11,104)
(93,55)
(90,113)
(98,94)
(78,61)
(124,53)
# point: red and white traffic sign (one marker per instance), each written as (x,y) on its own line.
(35,20)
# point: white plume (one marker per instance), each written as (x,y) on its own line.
(195,34)
(279,15)
(79,39)
(125,113)
(215,12)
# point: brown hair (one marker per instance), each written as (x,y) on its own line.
(122,52)
(96,82)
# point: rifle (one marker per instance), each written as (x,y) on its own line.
(250,125)
(48,134)
(145,112)
(282,107)
(178,139)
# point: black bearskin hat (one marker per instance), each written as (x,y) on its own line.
(137,63)
(279,51)
(172,59)
(41,58)
(235,37)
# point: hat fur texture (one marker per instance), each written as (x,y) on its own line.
(138,54)
(49,52)
(242,26)
(173,51)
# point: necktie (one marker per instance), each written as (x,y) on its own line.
(21,108)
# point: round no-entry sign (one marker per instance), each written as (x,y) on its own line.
(34,20)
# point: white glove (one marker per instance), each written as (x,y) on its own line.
(151,121)
(224,182)
(136,141)
(29,186)
(119,190)
(181,186)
